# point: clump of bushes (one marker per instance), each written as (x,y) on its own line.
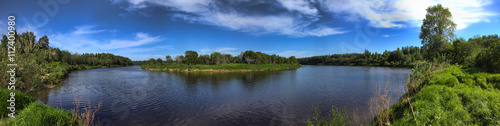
(38,114)
(22,100)
(488,59)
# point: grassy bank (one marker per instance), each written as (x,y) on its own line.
(444,94)
(221,68)
(437,94)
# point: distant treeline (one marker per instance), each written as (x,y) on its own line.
(479,51)
(402,57)
(217,58)
(39,64)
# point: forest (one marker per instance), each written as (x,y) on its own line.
(479,51)
(40,65)
(217,58)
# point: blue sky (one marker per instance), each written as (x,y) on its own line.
(143,29)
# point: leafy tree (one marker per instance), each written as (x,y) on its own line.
(159,61)
(293,60)
(179,59)
(205,59)
(191,57)
(436,30)
(169,59)
(489,59)
(216,58)
(43,42)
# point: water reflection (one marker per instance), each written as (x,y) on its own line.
(132,96)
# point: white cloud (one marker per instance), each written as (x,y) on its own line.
(140,39)
(81,40)
(223,50)
(205,51)
(206,12)
(145,57)
(298,54)
(86,29)
(301,6)
(388,35)
(389,14)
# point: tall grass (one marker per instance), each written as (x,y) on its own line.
(338,117)
(87,116)
(38,114)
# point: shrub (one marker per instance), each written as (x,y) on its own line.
(488,58)
(22,100)
(38,114)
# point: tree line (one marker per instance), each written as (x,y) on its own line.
(439,44)
(217,58)
(39,64)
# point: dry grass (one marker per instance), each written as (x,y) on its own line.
(87,116)
(380,103)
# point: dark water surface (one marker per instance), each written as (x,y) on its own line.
(131,96)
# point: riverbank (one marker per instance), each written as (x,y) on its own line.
(221,68)
(445,94)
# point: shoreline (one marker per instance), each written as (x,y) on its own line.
(221,68)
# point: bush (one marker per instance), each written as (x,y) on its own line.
(38,114)
(488,59)
(22,100)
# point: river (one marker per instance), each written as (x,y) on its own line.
(131,96)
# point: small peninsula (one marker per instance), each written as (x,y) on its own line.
(217,62)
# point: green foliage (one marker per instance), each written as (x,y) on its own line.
(402,57)
(436,30)
(227,67)
(451,96)
(191,57)
(488,58)
(38,114)
(39,64)
(22,100)
(339,117)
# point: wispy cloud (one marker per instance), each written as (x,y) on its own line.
(298,54)
(409,13)
(224,50)
(221,14)
(389,35)
(140,39)
(82,40)
(85,29)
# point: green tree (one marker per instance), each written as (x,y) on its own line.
(216,58)
(191,57)
(205,59)
(179,59)
(436,30)
(43,42)
(169,59)
(159,61)
(292,60)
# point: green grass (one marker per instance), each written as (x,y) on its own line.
(226,67)
(22,101)
(452,96)
(38,114)
(339,117)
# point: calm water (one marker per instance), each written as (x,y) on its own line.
(131,96)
